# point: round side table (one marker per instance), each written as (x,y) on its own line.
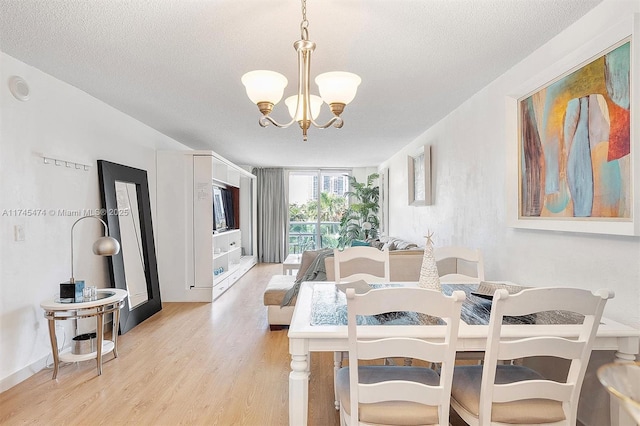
(109,300)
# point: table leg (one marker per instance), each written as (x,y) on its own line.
(100,338)
(54,347)
(337,364)
(299,389)
(114,331)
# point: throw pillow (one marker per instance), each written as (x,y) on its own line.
(359,243)
(308,256)
(377,244)
(404,245)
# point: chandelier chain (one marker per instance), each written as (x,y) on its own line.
(304,25)
(304,11)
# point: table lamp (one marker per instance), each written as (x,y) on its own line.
(103,246)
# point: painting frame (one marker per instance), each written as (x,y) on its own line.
(574,59)
(384,201)
(419,177)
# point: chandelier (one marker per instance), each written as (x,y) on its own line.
(337,89)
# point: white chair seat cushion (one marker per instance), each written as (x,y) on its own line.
(466,391)
(392,412)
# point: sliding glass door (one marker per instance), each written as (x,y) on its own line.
(316,203)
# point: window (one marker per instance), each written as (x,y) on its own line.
(317,202)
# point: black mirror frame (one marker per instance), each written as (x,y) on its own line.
(108,174)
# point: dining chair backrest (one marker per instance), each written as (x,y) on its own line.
(501,347)
(456,263)
(361,263)
(408,344)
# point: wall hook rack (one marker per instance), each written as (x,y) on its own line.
(65,163)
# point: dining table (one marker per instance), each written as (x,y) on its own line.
(319,324)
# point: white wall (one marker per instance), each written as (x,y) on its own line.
(469,158)
(63,122)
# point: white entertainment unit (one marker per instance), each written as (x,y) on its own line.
(196,263)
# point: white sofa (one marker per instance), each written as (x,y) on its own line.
(404,265)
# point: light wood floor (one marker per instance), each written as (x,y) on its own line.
(192,363)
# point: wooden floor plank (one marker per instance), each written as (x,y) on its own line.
(192,363)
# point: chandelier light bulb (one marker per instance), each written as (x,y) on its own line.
(338,87)
(264,86)
(315,101)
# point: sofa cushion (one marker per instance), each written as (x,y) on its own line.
(277,288)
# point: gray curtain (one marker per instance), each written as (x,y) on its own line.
(272,214)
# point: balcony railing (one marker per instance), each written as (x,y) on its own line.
(304,236)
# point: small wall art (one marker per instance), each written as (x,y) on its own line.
(419,177)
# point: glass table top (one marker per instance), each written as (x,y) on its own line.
(329,307)
(99,296)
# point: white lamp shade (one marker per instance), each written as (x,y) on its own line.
(338,86)
(264,86)
(315,101)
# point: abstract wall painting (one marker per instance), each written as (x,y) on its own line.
(575,161)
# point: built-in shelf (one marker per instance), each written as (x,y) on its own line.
(189,250)
(227,254)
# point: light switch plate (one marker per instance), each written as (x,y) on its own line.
(18,232)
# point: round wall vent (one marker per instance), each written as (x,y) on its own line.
(19,88)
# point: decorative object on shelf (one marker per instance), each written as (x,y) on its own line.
(125,192)
(103,246)
(429,277)
(265,88)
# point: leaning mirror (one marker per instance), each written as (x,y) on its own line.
(125,198)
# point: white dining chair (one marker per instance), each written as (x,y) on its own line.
(352,264)
(361,263)
(459,263)
(493,394)
(399,395)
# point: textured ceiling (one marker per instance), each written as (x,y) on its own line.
(176,64)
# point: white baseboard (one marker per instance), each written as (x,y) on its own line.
(33,368)
(23,374)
